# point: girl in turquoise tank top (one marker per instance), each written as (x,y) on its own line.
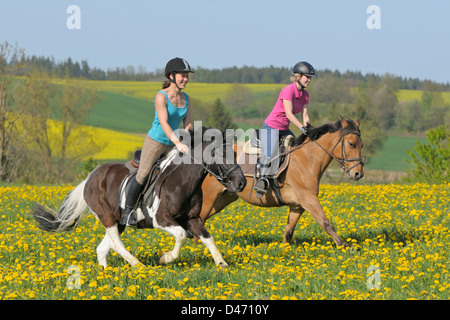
(171,108)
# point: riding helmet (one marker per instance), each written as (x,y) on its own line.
(305,68)
(177,65)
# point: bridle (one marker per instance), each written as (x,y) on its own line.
(343,161)
(223,176)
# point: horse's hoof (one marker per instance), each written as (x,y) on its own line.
(164,259)
(343,244)
(139,265)
(223,265)
(136,263)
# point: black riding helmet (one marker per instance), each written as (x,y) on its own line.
(177,65)
(305,68)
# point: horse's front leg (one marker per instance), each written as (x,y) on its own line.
(180,236)
(196,227)
(310,202)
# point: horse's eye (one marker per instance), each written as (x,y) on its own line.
(352,145)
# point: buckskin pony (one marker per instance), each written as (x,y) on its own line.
(309,157)
(176,205)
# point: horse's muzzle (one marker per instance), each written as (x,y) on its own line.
(357,175)
(236,185)
(241,185)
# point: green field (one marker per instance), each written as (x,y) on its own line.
(393,155)
(122,113)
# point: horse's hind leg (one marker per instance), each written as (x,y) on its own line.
(104,247)
(294,215)
(103,250)
(112,233)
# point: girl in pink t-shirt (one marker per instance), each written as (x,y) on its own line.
(293,99)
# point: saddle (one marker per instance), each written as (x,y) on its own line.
(147,196)
(248,157)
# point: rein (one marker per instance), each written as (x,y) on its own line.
(342,162)
(222,177)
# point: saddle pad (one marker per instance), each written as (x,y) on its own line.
(250,149)
(248,161)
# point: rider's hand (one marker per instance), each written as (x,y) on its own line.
(304,130)
(182,148)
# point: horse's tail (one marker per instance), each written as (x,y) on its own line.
(72,210)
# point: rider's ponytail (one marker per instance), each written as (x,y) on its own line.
(166,84)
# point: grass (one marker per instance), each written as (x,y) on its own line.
(122,113)
(400,231)
(392,157)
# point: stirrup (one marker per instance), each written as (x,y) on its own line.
(132,219)
(129,219)
(261,187)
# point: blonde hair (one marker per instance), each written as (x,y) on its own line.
(294,77)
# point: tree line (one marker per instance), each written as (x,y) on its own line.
(246,74)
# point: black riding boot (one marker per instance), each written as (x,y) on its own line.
(128,219)
(262,185)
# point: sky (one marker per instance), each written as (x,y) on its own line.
(411,38)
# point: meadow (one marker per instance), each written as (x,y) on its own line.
(399,236)
(392,156)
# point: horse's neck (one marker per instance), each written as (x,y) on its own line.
(312,158)
(196,175)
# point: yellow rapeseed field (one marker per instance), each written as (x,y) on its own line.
(203,91)
(399,236)
(118,145)
(115,145)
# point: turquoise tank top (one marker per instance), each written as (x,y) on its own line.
(175,116)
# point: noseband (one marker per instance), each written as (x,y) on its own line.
(343,161)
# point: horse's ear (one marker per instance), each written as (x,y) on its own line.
(357,122)
(343,122)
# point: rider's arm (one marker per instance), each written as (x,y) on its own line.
(161,109)
(291,117)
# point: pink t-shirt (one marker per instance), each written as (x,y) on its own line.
(277,117)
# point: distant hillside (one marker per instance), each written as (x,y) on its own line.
(392,157)
(122,113)
(128,106)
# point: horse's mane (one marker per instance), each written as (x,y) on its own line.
(192,133)
(314,133)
